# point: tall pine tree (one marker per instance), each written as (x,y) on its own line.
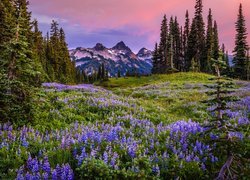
(200,30)
(241,47)
(155,60)
(191,53)
(209,43)
(185,38)
(18,70)
(163,45)
(216,47)
(196,40)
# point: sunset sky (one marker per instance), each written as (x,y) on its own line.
(136,22)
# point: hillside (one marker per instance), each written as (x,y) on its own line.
(112,127)
(164,95)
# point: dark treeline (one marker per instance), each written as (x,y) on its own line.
(100,75)
(194,46)
(54,55)
(27,59)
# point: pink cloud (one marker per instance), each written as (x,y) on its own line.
(145,15)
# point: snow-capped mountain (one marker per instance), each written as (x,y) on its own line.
(118,58)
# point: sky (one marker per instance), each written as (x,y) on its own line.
(136,22)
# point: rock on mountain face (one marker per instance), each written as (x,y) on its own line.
(120,57)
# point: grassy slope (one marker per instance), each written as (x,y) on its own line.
(159,98)
(178,78)
(170,97)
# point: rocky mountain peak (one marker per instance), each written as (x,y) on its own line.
(121,46)
(144,52)
(99,47)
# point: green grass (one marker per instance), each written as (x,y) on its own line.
(159,98)
(177,78)
(167,97)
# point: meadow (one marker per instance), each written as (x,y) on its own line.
(126,128)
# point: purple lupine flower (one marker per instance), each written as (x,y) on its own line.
(36,176)
(30,163)
(197,159)
(46,165)
(156,170)
(213,136)
(105,157)
(63,175)
(35,166)
(25,143)
(54,174)
(112,136)
(82,156)
(45,176)
(67,172)
(70,175)
(243,121)
(10,135)
(58,170)
(131,152)
(203,167)
(238,135)
(214,159)
(40,153)
(5,127)
(188,158)
(114,157)
(181,155)
(20,173)
(165,155)
(66,168)
(28,176)
(93,153)
(75,152)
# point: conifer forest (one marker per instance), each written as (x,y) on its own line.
(180,111)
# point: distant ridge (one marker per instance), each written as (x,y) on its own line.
(118,58)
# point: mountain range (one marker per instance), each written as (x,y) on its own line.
(118,58)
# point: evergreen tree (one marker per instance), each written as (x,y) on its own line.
(155,63)
(18,70)
(191,53)
(209,43)
(58,63)
(163,45)
(248,65)
(227,70)
(38,47)
(216,47)
(182,51)
(6,21)
(106,77)
(67,68)
(200,29)
(103,72)
(241,46)
(176,34)
(119,73)
(185,38)
(99,73)
(48,54)
(54,48)
(220,127)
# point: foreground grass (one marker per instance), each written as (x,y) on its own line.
(139,112)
